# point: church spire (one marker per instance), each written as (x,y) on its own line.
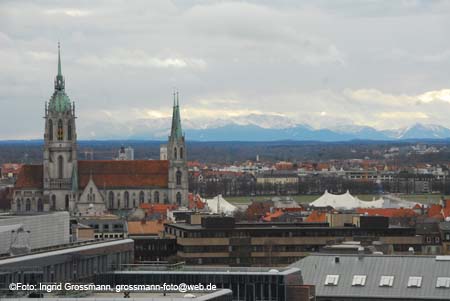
(176,131)
(59,60)
(59,102)
(59,81)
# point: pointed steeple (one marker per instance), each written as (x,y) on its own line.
(59,81)
(59,60)
(59,102)
(176,131)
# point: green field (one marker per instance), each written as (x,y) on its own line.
(420,198)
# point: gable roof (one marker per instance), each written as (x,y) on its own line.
(106,173)
(124,174)
(30,176)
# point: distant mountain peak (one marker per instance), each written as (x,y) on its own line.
(257,127)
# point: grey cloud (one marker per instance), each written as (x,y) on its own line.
(285,58)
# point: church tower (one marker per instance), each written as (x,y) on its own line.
(176,154)
(60,148)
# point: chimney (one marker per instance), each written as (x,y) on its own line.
(360,253)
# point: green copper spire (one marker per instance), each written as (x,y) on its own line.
(59,80)
(74,179)
(59,60)
(59,102)
(176,131)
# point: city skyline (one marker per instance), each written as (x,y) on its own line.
(325,64)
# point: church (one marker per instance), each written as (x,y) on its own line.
(62,182)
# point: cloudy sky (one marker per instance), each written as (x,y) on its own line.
(384,64)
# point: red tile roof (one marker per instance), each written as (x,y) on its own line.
(117,173)
(195,201)
(273,216)
(316,217)
(157,208)
(30,176)
(106,173)
(13,168)
(437,211)
(387,212)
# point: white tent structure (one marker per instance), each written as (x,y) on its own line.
(339,201)
(392,201)
(220,205)
(348,202)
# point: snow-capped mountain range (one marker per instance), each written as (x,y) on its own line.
(255,127)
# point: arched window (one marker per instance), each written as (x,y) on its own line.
(156,198)
(60,130)
(126,197)
(181,153)
(28,205)
(50,130)
(67,202)
(40,206)
(175,153)
(53,202)
(179,198)
(69,131)
(111,199)
(60,167)
(141,197)
(178,177)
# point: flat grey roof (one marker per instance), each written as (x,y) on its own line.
(217,271)
(315,269)
(64,251)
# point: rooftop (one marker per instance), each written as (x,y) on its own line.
(63,249)
(382,276)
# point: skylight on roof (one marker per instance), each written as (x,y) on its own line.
(359,280)
(443,282)
(415,281)
(332,280)
(387,281)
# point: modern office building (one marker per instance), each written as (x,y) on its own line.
(247,284)
(221,241)
(76,263)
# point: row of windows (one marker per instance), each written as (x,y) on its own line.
(271,232)
(126,198)
(103,235)
(256,248)
(39,206)
(387,281)
(28,203)
(60,130)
